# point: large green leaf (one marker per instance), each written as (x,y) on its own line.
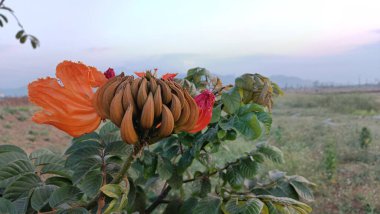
(41,195)
(216,113)
(271,152)
(234,178)
(231,100)
(266,119)
(185,161)
(48,158)
(57,169)
(64,194)
(91,183)
(9,157)
(84,142)
(283,204)
(188,206)
(165,168)
(248,167)
(35,154)
(173,207)
(201,186)
(208,205)
(248,125)
(58,181)
(82,168)
(250,206)
(14,170)
(11,148)
(22,186)
(22,204)
(301,186)
(80,154)
(109,133)
(6,207)
(112,190)
(119,148)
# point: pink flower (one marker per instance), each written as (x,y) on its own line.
(205,102)
(109,73)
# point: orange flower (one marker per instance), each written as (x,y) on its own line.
(167,76)
(66,100)
(205,102)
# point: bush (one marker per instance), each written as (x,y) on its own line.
(101,173)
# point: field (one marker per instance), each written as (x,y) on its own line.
(319,134)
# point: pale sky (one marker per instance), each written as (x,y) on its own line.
(325,40)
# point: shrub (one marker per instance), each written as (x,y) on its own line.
(101,173)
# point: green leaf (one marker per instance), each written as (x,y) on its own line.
(22,186)
(248,125)
(234,178)
(119,148)
(91,183)
(248,167)
(188,205)
(57,169)
(39,152)
(6,207)
(185,161)
(41,196)
(281,203)
(21,204)
(79,155)
(85,142)
(201,186)
(19,34)
(14,170)
(208,205)
(173,207)
(58,181)
(48,158)
(64,194)
(112,190)
(271,152)
(23,39)
(81,169)
(176,180)
(77,210)
(9,157)
(231,100)
(4,17)
(109,133)
(301,186)
(251,206)
(216,112)
(266,119)
(165,168)
(11,148)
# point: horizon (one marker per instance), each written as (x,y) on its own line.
(289,38)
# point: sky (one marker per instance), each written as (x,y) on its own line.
(325,40)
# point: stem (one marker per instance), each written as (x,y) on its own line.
(120,176)
(158,200)
(101,200)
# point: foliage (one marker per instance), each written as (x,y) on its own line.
(365,138)
(100,173)
(21,35)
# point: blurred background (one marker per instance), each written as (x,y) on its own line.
(324,54)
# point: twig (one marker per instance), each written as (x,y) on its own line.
(158,200)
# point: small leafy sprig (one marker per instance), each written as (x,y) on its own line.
(21,35)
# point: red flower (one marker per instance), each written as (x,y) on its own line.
(109,73)
(205,102)
(140,74)
(169,76)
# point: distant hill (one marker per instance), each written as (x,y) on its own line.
(13,92)
(291,82)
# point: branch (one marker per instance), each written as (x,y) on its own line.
(158,200)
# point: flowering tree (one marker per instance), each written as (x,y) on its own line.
(154,152)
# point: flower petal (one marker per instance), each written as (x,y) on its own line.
(205,102)
(169,76)
(68,106)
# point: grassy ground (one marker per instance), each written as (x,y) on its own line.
(319,135)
